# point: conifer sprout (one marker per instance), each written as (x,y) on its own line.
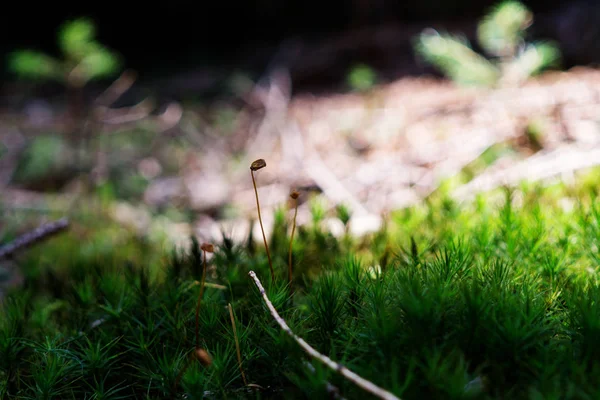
(345,372)
(502,36)
(255,166)
(294,196)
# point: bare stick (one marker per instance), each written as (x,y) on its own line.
(30,238)
(345,372)
(237,344)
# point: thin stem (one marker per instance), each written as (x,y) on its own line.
(237,344)
(262,228)
(345,372)
(291,241)
(199,301)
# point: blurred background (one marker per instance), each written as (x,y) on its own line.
(156,113)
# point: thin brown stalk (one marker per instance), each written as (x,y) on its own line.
(237,344)
(345,372)
(258,164)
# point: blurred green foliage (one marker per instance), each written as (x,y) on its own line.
(502,35)
(362,77)
(84,59)
(45,156)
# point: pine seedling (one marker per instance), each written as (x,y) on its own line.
(255,166)
(501,34)
(84,59)
(294,196)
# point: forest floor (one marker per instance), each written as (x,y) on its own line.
(411,286)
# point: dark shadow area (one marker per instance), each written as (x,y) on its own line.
(191,50)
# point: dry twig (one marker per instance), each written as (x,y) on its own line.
(345,372)
(40,233)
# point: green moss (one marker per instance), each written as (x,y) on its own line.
(490,299)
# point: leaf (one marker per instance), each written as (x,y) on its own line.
(455,58)
(535,58)
(501,31)
(75,37)
(100,63)
(35,65)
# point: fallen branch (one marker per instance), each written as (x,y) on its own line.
(39,234)
(345,372)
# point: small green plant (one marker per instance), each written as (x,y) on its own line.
(84,59)
(502,35)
